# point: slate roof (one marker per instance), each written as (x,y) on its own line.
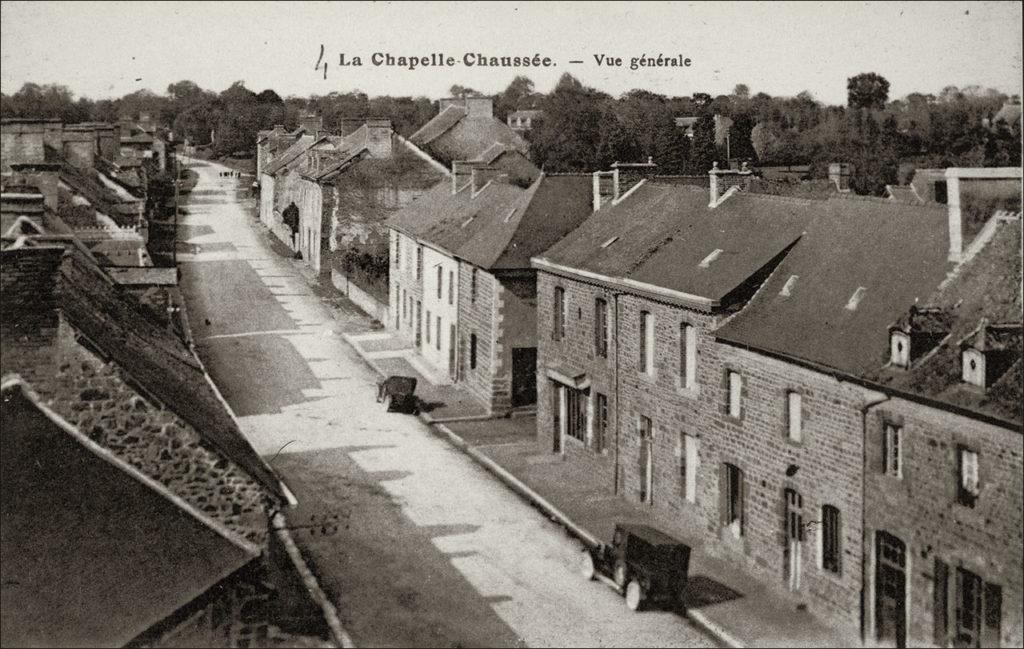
(454,135)
(296,149)
(662,232)
(985,290)
(876,255)
(94,553)
(503,225)
(116,324)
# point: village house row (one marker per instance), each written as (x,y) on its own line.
(133,509)
(826,389)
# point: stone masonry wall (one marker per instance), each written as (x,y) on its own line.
(921,509)
(479,316)
(96,397)
(827,463)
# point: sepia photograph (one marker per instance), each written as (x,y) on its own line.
(511,324)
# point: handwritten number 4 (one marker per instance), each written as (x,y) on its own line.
(321,60)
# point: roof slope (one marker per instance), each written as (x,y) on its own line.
(662,233)
(877,255)
(296,149)
(987,288)
(453,135)
(93,552)
(499,226)
(115,323)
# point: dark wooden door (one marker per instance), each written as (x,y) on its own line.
(524,376)
(890,590)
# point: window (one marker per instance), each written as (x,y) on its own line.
(688,356)
(437,338)
(428,326)
(600,421)
(967,469)
(451,287)
(732,512)
(419,262)
(892,451)
(973,367)
(559,314)
(646,427)
(646,342)
(735,394)
(440,280)
(831,540)
(472,286)
(472,351)
(398,251)
(978,611)
(576,414)
(688,467)
(601,328)
(794,412)
(899,349)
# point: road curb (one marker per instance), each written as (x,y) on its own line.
(330,612)
(698,619)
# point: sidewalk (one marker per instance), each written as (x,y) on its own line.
(723,599)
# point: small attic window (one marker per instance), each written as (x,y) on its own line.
(787,288)
(855,299)
(973,367)
(899,349)
(609,242)
(710,258)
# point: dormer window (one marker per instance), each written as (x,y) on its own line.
(899,349)
(973,367)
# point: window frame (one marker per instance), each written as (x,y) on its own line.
(472,286)
(830,541)
(601,328)
(892,450)
(558,331)
(600,422)
(735,393)
(451,287)
(440,281)
(792,422)
(647,343)
(687,356)
(419,262)
(966,494)
(734,497)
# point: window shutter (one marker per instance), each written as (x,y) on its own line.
(940,603)
(993,616)
(723,494)
(744,492)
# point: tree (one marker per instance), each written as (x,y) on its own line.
(703,152)
(867,90)
(740,143)
(741,91)
(614,144)
(464,91)
(568,137)
(519,94)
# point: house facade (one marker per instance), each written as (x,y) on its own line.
(461,290)
(729,394)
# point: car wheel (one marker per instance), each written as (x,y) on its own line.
(620,575)
(587,565)
(634,595)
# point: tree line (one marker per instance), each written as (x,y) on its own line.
(583,128)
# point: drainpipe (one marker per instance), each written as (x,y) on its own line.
(863,516)
(618,401)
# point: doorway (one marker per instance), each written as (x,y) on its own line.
(646,461)
(558,418)
(524,376)
(890,590)
(794,537)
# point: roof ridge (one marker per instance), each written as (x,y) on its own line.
(14,381)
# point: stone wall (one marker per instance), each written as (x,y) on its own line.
(478,316)
(825,468)
(921,509)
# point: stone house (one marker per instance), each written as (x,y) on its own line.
(130,433)
(461,287)
(712,364)
(942,474)
(463,129)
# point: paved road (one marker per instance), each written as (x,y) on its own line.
(414,543)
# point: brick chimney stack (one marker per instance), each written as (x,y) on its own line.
(79,147)
(379,137)
(481,175)
(724,181)
(462,174)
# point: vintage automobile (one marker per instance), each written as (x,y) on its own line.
(643,563)
(398,393)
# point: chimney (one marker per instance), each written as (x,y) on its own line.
(42,176)
(480,106)
(994,177)
(605,185)
(379,137)
(839,175)
(107,141)
(481,175)
(79,146)
(724,182)
(18,200)
(462,174)
(22,142)
(627,175)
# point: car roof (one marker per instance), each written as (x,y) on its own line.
(649,534)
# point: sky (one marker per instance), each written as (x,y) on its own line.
(108,49)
